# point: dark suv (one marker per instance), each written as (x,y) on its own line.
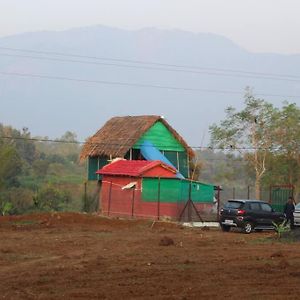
(249,215)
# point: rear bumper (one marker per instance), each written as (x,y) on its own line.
(232,222)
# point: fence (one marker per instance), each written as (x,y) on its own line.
(156,198)
(276,195)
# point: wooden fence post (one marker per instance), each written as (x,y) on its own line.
(158,199)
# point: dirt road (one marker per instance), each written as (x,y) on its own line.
(77,256)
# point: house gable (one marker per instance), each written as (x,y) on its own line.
(161,137)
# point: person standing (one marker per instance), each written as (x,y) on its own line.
(289,212)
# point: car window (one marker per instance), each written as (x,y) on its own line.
(266,207)
(233,204)
(255,206)
(297,206)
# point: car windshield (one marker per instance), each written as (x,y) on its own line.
(233,204)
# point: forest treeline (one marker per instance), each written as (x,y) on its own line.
(38,175)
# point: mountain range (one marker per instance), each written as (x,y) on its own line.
(77,79)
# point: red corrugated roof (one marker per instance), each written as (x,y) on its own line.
(133,168)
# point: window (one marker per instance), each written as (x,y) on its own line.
(266,207)
(233,204)
(254,206)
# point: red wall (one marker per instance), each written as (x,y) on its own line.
(118,202)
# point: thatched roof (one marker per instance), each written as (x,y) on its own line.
(119,134)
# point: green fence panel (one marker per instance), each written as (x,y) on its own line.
(202,192)
(170,190)
(279,197)
(176,190)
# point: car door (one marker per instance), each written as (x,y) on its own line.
(256,213)
(268,215)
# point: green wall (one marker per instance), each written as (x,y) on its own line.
(93,165)
(160,136)
(176,190)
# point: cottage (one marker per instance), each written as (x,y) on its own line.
(142,167)
(124,136)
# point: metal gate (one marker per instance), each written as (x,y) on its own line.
(279,195)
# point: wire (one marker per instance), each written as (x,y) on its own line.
(296,79)
(118,144)
(149,62)
(140,85)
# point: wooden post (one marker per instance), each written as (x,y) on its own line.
(132,202)
(85,197)
(158,199)
(189,201)
(218,202)
(109,198)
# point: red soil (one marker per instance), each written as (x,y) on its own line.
(79,256)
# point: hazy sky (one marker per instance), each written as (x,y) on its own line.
(257,25)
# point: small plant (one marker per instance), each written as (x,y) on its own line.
(5,208)
(280,228)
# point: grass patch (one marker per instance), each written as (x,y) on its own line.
(264,240)
(289,237)
(23,222)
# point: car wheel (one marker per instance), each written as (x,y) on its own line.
(248,227)
(225,228)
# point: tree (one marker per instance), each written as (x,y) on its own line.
(286,139)
(20,140)
(249,132)
(10,166)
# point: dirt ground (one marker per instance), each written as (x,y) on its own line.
(78,256)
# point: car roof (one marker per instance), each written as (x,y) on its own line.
(247,200)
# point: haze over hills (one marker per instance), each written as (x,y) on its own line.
(49,107)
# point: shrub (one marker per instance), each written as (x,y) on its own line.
(281,228)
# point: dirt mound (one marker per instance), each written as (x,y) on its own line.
(68,219)
(276,254)
(283,264)
(166,241)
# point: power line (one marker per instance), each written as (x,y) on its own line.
(139,85)
(119,144)
(281,78)
(152,63)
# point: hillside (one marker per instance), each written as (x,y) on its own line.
(48,106)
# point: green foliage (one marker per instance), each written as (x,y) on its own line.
(10,166)
(38,175)
(241,129)
(89,203)
(286,139)
(40,167)
(268,139)
(5,207)
(281,228)
(50,198)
